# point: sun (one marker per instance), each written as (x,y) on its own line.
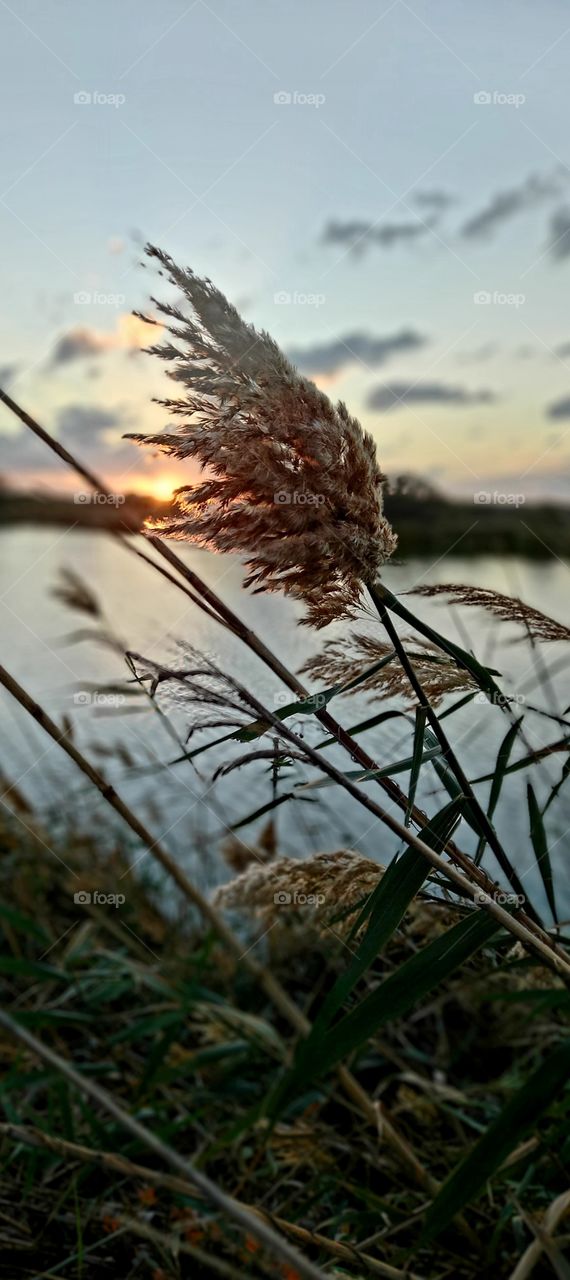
(163,487)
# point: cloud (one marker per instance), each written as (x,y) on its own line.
(479,355)
(331,357)
(19,450)
(506,204)
(359,235)
(559,244)
(397,395)
(436,199)
(131,333)
(7,373)
(87,424)
(560,408)
(85,427)
(77,344)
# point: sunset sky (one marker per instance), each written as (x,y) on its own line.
(383,186)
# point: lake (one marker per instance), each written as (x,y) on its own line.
(180,803)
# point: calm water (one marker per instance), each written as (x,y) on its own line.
(150,616)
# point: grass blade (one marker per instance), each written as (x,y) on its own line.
(365,775)
(412,980)
(466,660)
(395,997)
(558,785)
(502,1136)
(561,745)
(419,731)
(540,846)
(363,725)
(503,756)
(385,909)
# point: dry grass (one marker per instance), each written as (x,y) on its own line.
(537,625)
(157,1014)
(343,659)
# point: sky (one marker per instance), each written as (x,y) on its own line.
(383,186)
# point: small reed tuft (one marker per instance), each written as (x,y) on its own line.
(320,886)
(344,658)
(538,625)
(309,897)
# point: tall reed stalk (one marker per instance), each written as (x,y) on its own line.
(207,600)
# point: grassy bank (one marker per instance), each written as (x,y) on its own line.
(152,1008)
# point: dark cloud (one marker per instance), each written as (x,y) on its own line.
(129,334)
(77,344)
(330,357)
(19,450)
(396,395)
(7,373)
(560,408)
(359,236)
(87,424)
(559,241)
(77,426)
(436,200)
(506,204)
(563,350)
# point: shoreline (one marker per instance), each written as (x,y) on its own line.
(430,523)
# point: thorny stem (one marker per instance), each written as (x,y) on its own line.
(214,607)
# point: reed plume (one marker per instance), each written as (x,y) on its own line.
(319,886)
(327,890)
(538,625)
(343,659)
(292,481)
(73,592)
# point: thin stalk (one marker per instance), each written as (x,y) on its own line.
(238,1212)
(482,819)
(512,923)
(211,604)
(38,1138)
(272,987)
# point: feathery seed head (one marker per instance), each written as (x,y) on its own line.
(292,481)
(345,657)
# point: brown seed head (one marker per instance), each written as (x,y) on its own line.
(292,481)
